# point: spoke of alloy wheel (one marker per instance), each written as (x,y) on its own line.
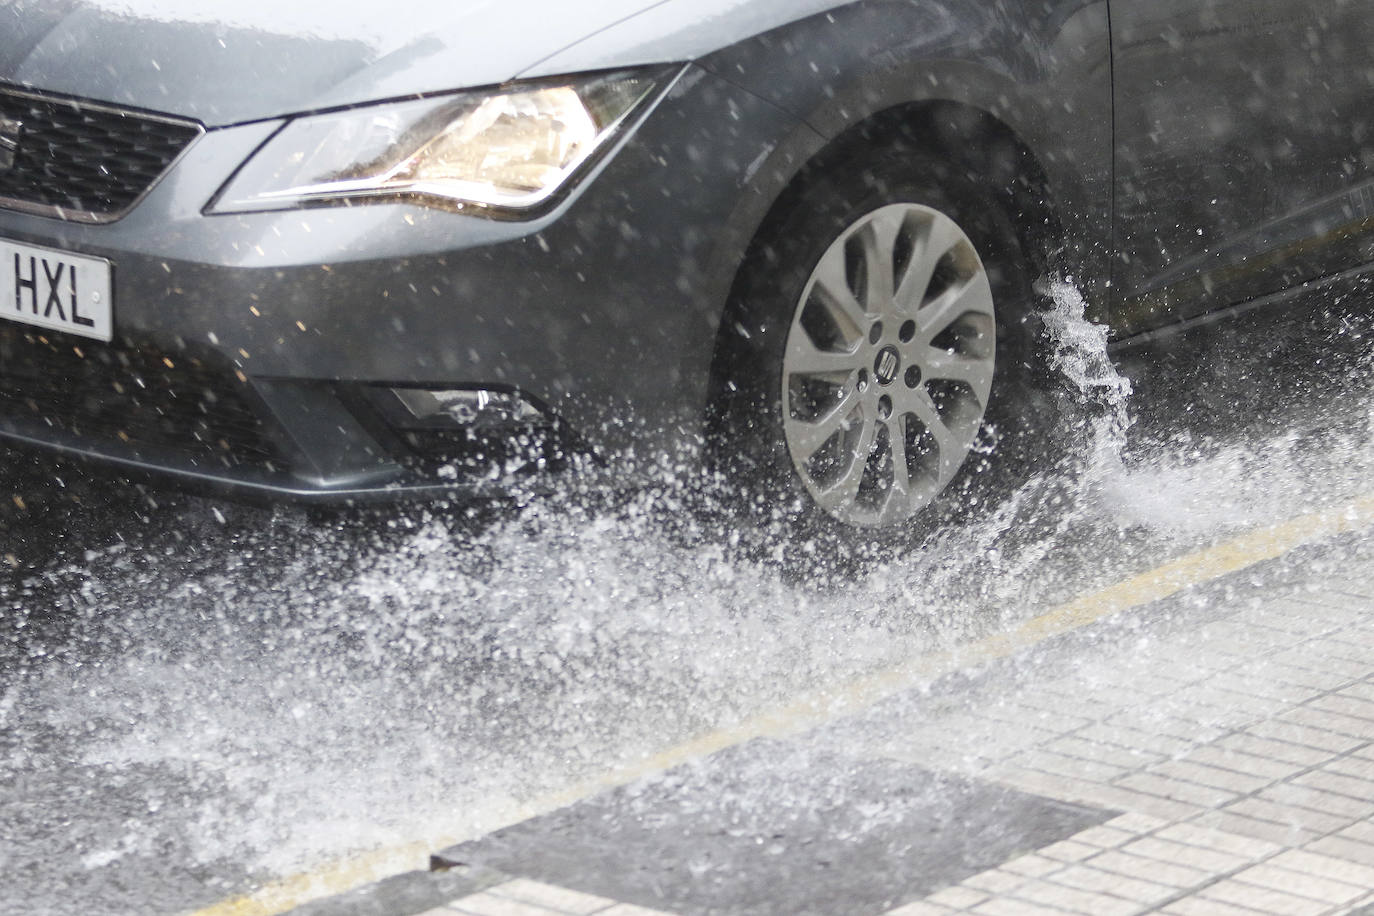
(807,438)
(971,296)
(846,490)
(951,444)
(976,373)
(934,242)
(805,358)
(832,283)
(897,505)
(878,240)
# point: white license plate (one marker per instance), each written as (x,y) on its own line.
(56,290)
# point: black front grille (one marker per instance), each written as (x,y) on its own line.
(131,402)
(80,160)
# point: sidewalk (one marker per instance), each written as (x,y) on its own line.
(1210,754)
(1239,753)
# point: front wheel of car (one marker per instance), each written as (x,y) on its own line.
(877,332)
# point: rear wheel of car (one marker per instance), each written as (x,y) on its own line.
(878,332)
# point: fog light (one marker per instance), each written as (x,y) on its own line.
(470,408)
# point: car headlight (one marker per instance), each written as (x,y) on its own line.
(511,148)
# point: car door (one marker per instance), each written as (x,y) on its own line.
(1243,151)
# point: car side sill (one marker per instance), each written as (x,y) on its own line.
(1283,296)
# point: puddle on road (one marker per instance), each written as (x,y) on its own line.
(209,700)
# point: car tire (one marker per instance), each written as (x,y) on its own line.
(877,364)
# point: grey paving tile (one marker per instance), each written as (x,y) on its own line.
(1130,739)
(1307,674)
(1362,730)
(1156,723)
(1343,656)
(1075,900)
(1201,906)
(1322,670)
(1137,823)
(1363,689)
(1283,833)
(1300,755)
(1300,796)
(1284,813)
(1305,735)
(1177,789)
(1353,766)
(1195,834)
(1113,755)
(1003,906)
(921,908)
(1056,697)
(1069,851)
(1221,698)
(1049,721)
(1300,884)
(1143,869)
(1338,783)
(1231,781)
(1073,767)
(1256,686)
(958,898)
(489,904)
(1310,862)
(1087,878)
(1032,866)
(1236,761)
(1339,847)
(996,882)
(1210,860)
(1361,830)
(1345,705)
(1263,899)
(1102,795)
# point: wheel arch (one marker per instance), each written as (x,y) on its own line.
(969,138)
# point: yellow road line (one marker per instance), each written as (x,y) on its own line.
(826,705)
(333,878)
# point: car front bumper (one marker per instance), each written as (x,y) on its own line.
(602,313)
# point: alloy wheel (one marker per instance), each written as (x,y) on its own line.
(888,365)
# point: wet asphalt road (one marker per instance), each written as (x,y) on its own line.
(196,695)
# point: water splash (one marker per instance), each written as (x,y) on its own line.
(255,692)
(1079,354)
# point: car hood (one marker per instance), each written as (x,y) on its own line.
(225,63)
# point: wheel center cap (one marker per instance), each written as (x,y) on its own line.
(887,365)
